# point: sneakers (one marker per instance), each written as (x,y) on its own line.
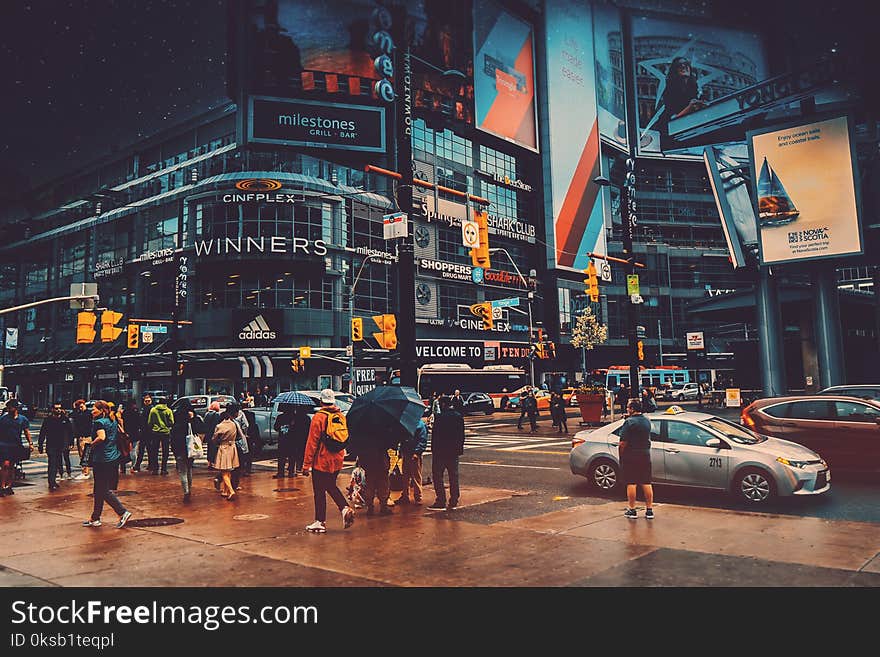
(437,506)
(347,517)
(649,514)
(122,520)
(317,527)
(82,476)
(632,514)
(451,505)
(91,523)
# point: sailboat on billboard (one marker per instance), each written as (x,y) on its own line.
(775,207)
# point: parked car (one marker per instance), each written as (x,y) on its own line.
(478,402)
(687,391)
(158,393)
(705,451)
(265,417)
(864,391)
(844,430)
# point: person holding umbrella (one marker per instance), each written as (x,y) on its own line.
(293,426)
(326,463)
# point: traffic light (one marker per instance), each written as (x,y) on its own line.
(357,329)
(551,350)
(641,346)
(484,312)
(85,327)
(297,364)
(134,336)
(387,337)
(539,348)
(480,255)
(305,352)
(109,330)
(180,369)
(592,282)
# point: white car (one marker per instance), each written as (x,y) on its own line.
(705,451)
(687,391)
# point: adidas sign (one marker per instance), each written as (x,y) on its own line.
(258,329)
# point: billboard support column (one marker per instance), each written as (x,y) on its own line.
(829,344)
(770,347)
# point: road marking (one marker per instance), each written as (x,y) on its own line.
(502,465)
(519,448)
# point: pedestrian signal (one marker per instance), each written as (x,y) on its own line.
(85,327)
(387,336)
(134,336)
(109,330)
(357,329)
(480,255)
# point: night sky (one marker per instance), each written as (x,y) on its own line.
(80,76)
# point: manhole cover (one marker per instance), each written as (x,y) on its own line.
(154,522)
(251,516)
(284,490)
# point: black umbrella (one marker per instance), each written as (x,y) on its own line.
(383,416)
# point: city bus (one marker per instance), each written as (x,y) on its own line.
(446,378)
(656,377)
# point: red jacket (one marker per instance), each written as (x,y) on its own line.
(317,456)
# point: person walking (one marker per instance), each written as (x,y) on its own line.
(105,463)
(145,435)
(212,419)
(557,412)
(649,403)
(457,401)
(376,462)
(159,423)
(133,425)
(186,422)
(284,428)
(299,437)
(64,461)
(411,451)
(447,444)
(326,464)
(123,437)
(82,429)
(530,406)
(635,459)
(56,433)
(12,425)
(226,461)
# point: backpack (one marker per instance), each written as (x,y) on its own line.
(335,436)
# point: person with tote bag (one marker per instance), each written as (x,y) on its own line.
(185,440)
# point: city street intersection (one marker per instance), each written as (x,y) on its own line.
(524,520)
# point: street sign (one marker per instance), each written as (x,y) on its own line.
(146,338)
(636,298)
(394,225)
(732,397)
(349,350)
(470,234)
(83,290)
(68,377)
(632,284)
(505,303)
(364,380)
(154,329)
(121,376)
(695,341)
(605,272)
(640,332)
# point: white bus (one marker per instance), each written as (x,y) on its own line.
(446,378)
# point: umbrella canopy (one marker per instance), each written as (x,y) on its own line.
(295,398)
(384,415)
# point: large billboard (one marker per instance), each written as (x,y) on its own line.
(610,74)
(730,186)
(805,192)
(504,75)
(681,68)
(573,153)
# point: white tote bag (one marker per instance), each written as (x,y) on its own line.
(194,447)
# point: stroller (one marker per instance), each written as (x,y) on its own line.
(356,485)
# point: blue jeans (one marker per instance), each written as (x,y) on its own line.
(449,464)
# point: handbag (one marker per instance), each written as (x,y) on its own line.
(123,442)
(86,460)
(194,446)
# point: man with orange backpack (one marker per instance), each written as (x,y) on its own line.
(325,451)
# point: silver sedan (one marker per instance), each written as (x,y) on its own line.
(702,450)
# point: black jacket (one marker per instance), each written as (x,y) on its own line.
(82,423)
(447,436)
(56,433)
(180,430)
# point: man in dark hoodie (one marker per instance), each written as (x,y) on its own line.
(56,434)
(447,444)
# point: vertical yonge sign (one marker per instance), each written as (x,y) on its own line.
(293,122)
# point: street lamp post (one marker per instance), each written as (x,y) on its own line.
(354,282)
(529,297)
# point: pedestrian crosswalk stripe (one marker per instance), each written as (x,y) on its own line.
(519,448)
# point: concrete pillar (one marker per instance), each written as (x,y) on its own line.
(770,351)
(829,341)
(808,349)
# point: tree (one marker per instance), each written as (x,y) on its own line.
(588,332)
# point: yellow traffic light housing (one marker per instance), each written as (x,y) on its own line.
(551,350)
(134,336)
(387,335)
(357,329)
(539,347)
(641,346)
(109,330)
(85,327)
(305,352)
(592,282)
(480,255)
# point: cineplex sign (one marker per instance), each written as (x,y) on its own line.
(452,214)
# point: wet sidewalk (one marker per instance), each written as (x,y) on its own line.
(260,540)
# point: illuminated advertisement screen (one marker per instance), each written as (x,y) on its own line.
(610,95)
(803,180)
(683,67)
(443,63)
(504,75)
(577,210)
(294,44)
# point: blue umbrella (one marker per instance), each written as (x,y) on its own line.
(295,398)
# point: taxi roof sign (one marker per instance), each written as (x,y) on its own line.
(673,410)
